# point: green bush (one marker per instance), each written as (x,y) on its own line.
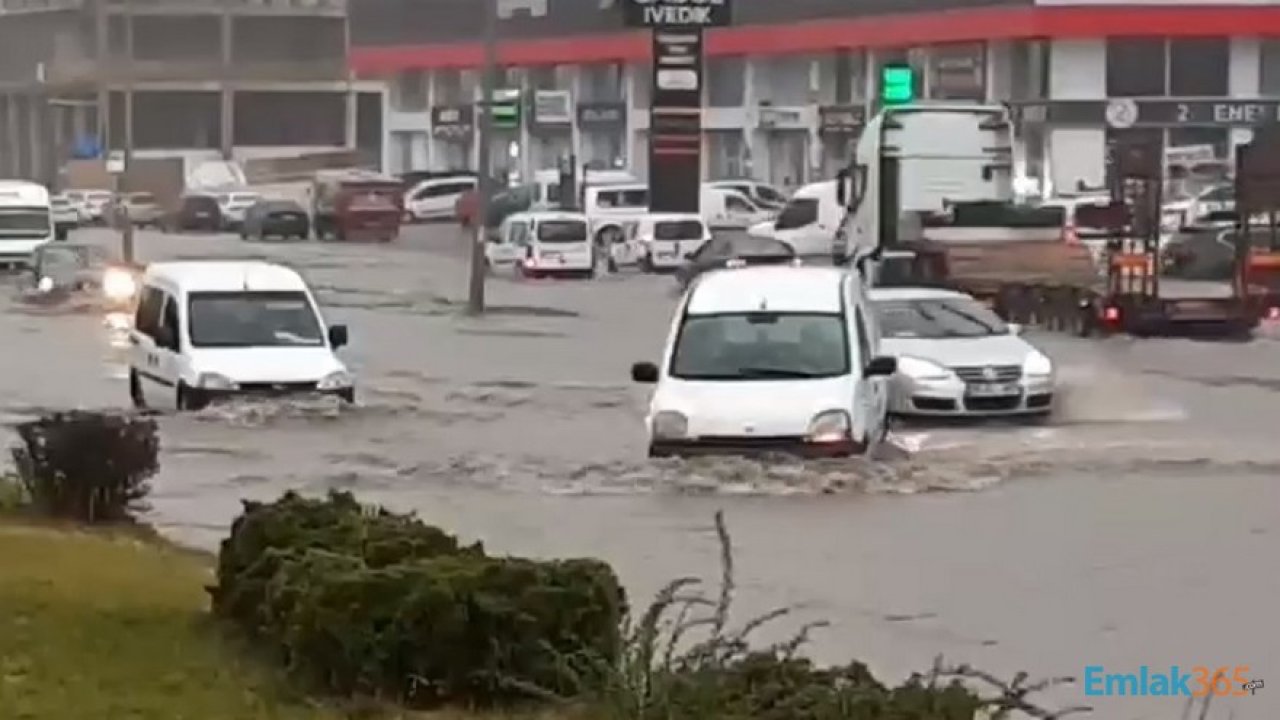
(89,467)
(362,601)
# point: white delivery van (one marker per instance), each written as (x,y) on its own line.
(660,241)
(550,243)
(729,209)
(609,207)
(809,220)
(211,329)
(26,220)
(546,184)
(770,359)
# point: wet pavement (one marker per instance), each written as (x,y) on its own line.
(1140,526)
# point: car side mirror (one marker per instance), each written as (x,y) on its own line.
(881,366)
(338,336)
(1014,328)
(644,372)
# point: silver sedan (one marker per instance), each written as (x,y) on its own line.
(957,358)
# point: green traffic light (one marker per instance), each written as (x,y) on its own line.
(897,84)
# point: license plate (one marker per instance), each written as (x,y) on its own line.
(666,254)
(553,256)
(992,389)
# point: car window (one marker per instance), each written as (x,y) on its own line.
(737,204)
(169,317)
(520,233)
(798,213)
(678,230)
(623,198)
(864,339)
(769,194)
(938,318)
(761,346)
(147,317)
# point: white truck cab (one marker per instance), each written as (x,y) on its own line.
(809,220)
(770,359)
(206,330)
(729,209)
(26,220)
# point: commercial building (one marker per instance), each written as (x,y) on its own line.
(788,86)
(211,77)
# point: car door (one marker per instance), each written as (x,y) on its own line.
(739,212)
(166,355)
(144,356)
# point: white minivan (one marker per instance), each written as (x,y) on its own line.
(728,209)
(809,221)
(770,359)
(660,241)
(206,330)
(437,198)
(550,243)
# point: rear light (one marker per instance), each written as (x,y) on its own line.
(1111,314)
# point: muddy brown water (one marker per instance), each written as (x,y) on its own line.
(1140,526)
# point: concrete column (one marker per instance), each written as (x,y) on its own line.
(630,73)
(353,118)
(482,165)
(38,136)
(575,132)
(1077,71)
(428,146)
(227,104)
(999,72)
(528,154)
(753,144)
(13,138)
(1245,79)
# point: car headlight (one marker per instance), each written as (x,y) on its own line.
(118,284)
(335,381)
(45,285)
(215,381)
(670,425)
(920,369)
(829,426)
(1037,364)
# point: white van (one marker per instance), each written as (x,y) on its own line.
(609,207)
(550,242)
(729,209)
(211,329)
(546,184)
(26,220)
(660,241)
(770,359)
(437,198)
(809,220)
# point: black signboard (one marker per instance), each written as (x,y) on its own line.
(837,119)
(602,115)
(675,121)
(677,13)
(452,120)
(1123,113)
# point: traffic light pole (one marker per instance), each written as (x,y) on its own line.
(484,142)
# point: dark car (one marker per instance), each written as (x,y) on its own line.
(197,213)
(275,218)
(61,271)
(733,251)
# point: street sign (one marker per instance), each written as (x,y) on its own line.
(678,13)
(115,162)
(505,108)
(897,84)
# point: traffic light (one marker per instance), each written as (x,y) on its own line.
(897,84)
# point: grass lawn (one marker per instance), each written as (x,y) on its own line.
(100,626)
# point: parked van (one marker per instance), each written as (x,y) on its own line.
(26,220)
(549,242)
(609,207)
(770,359)
(437,198)
(212,329)
(809,220)
(730,209)
(660,241)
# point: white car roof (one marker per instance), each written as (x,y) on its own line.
(226,276)
(769,288)
(667,216)
(916,293)
(544,215)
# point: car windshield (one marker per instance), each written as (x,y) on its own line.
(562,231)
(761,346)
(253,319)
(768,194)
(678,230)
(937,318)
(24,222)
(798,213)
(748,246)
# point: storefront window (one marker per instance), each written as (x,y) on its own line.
(784,80)
(957,71)
(1199,67)
(725,81)
(602,82)
(410,91)
(1136,67)
(725,150)
(1271,66)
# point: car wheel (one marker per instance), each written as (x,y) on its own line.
(348,395)
(189,399)
(646,264)
(135,391)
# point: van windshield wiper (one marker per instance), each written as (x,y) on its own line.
(776,372)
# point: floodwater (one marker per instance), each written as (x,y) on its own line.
(1140,526)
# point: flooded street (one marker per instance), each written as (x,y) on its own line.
(1140,526)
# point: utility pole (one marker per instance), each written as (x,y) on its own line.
(126,232)
(484,187)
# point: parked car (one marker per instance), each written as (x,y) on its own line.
(65,216)
(275,218)
(66,270)
(91,205)
(139,208)
(234,205)
(356,205)
(437,198)
(197,212)
(733,251)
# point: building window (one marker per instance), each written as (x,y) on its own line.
(448,88)
(725,81)
(1199,67)
(642,86)
(1136,67)
(784,80)
(957,71)
(1030,70)
(1271,66)
(726,151)
(602,82)
(410,91)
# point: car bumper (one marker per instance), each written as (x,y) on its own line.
(956,399)
(271,390)
(552,267)
(754,447)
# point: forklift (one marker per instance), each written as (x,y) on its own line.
(1134,300)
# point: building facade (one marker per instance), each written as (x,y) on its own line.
(789,85)
(220,78)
